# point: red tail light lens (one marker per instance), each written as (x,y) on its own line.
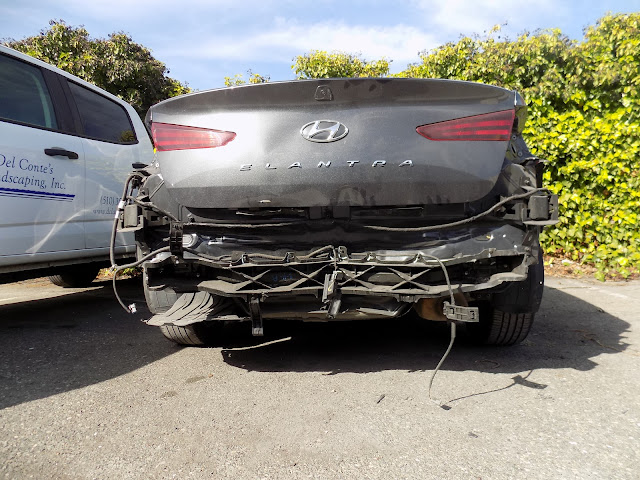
(490,126)
(179,137)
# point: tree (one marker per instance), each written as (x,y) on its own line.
(321,64)
(584,117)
(238,79)
(116,64)
(534,64)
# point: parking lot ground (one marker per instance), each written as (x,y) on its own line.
(90,392)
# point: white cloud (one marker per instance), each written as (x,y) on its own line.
(287,38)
(478,16)
(142,9)
(204,40)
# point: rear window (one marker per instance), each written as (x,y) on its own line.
(24,96)
(102,119)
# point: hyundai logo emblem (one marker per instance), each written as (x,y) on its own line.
(324,131)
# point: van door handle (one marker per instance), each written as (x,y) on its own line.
(52,152)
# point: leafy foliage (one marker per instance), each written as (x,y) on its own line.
(321,64)
(584,117)
(595,171)
(584,110)
(238,79)
(116,64)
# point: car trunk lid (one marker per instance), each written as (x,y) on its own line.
(333,142)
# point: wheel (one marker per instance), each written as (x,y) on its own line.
(161,300)
(75,276)
(501,328)
(507,318)
(189,335)
(158,300)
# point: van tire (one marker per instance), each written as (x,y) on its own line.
(76,276)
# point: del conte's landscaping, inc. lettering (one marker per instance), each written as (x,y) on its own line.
(28,174)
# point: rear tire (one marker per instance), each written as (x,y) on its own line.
(504,328)
(75,276)
(161,300)
(188,335)
(507,319)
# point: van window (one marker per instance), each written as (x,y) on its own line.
(23,94)
(102,118)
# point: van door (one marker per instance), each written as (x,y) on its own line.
(110,147)
(41,167)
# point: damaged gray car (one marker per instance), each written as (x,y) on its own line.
(340,199)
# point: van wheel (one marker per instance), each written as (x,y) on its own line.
(76,276)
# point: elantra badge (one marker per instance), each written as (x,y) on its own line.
(324,131)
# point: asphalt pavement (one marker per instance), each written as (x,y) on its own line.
(88,391)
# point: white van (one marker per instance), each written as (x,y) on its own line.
(66,147)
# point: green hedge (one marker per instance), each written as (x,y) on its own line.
(594,169)
(584,118)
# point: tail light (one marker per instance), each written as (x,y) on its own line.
(167,137)
(494,126)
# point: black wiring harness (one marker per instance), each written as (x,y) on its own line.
(465,221)
(115,268)
(131,308)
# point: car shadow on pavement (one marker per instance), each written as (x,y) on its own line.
(567,333)
(61,343)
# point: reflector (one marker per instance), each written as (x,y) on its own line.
(494,126)
(167,137)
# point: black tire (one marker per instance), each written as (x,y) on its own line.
(505,328)
(75,276)
(188,335)
(158,300)
(507,319)
(161,300)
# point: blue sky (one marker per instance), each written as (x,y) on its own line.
(203,41)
